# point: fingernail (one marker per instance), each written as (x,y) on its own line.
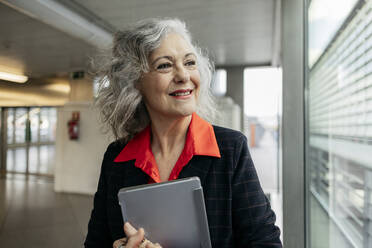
(126,225)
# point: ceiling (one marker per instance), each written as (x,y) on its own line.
(235,32)
(31,47)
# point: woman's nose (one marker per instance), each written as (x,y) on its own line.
(182,75)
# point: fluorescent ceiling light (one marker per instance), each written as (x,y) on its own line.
(13,77)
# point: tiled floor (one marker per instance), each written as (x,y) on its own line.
(266,162)
(33,215)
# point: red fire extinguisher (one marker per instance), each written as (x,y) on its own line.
(73,126)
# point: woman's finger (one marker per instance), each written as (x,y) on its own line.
(119,242)
(129,229)
(135,240)
(144,243)
(151,245)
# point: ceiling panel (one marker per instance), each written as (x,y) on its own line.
(236,32)
(29,46)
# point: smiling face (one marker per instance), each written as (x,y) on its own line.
(171,87)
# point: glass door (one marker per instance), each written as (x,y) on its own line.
(31,140)
(17,143)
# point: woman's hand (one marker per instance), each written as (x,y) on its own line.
(135,239)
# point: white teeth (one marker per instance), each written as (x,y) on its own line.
(182,93)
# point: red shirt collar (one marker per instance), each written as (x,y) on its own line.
(200,140)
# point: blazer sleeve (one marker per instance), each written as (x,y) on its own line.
(253,219)
(98,230)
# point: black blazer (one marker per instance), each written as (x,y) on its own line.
(239,214)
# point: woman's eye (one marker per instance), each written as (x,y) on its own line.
(190,63)
(163,66)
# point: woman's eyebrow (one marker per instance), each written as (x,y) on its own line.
(189,54)
(171,58)
(162,57)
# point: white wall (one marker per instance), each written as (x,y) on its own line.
(78,162)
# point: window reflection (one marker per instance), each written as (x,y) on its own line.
(340,133)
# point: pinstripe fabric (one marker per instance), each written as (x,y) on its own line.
(239,215)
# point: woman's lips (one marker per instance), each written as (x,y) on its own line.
(181,94)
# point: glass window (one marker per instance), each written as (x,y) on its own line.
(340,126)
(10,126)
(219,82)
(46,165)
(10,160)
(53,124)
(325,18)
(34,122)
(31,133)
(20,125)
(16,160)
(33,159)
(262,121)
(48,122)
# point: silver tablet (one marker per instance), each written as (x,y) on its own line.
(172,213)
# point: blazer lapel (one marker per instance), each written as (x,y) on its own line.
(198,166)
(133,175)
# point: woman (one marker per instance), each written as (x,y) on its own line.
(158,86)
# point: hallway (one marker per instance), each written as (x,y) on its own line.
(33,215)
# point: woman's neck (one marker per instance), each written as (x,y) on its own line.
(168,134)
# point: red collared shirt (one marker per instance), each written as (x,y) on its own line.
(200,140)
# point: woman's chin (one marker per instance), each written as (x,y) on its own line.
(187,111)
(179,113)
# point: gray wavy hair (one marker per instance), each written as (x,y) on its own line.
(120,104)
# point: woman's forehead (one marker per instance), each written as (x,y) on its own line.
(173,45)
